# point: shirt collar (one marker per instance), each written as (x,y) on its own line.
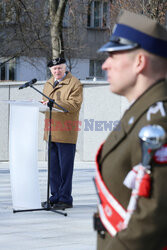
(59,80)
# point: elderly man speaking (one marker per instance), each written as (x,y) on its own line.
(66,91)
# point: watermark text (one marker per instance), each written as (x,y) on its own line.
(86,125)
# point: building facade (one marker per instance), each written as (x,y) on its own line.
(25,39)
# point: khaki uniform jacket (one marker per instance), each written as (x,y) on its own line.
(147,228)
(68,94)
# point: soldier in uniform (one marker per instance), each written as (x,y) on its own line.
(136,68)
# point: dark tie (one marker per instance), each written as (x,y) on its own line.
(55,83)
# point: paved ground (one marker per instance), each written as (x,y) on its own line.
(45,230)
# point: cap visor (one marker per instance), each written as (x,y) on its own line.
(112,46)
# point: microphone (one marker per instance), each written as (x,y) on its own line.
(27,84)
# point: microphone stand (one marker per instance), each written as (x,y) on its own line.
(50,104)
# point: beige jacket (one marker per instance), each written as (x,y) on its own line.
(68,94)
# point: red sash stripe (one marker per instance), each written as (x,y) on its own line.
(111,213)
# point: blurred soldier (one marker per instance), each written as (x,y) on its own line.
(136,69)
(66,90)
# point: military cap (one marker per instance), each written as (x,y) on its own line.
(56,61)
(137,31)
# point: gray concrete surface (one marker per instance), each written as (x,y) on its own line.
(45,230)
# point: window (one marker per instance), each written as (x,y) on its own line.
(95,69)
(8,70)
(97,14)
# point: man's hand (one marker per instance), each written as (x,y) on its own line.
(44,102)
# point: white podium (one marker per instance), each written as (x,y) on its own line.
(23,154)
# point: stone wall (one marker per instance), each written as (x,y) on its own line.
(101,110)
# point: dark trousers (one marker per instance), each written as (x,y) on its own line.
(61,171)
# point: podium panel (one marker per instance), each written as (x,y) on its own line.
(23,155)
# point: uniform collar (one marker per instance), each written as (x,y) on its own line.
(157,92)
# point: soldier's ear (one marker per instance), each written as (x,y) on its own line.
(141,62)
